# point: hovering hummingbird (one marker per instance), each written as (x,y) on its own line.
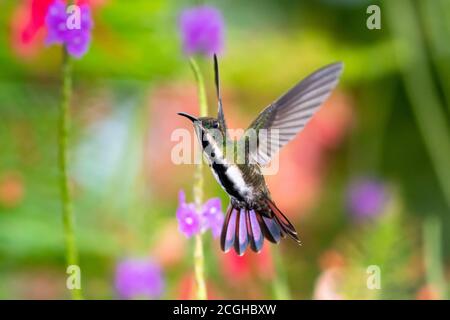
(252,214)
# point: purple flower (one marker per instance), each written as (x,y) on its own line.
(192,221)
(56,22)
(139,278)
(202,30)
(366,198)
(63,28)
(78,42)
(188,219)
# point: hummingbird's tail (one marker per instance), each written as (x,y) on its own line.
(245,226)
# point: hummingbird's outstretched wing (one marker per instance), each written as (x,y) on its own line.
(220,114)
(290,113)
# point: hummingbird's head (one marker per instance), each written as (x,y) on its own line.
(205,127)
(210,130)
(202,123)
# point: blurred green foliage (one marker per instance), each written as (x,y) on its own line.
(270,45)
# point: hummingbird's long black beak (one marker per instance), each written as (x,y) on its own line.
(184,114)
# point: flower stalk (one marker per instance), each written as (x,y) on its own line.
(67,206)
(199,259)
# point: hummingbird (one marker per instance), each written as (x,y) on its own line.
(252,215)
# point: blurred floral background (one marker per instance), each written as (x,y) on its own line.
(367,183)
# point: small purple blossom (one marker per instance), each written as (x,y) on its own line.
(56,22)
(188,218)
(192,221)
(366,198)
(76,40)
(202,30)
(139,278)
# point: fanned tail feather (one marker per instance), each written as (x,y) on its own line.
(283,221)
(247,227)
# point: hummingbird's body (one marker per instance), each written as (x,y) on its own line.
(252,215)
(244,183)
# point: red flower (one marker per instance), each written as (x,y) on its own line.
(26,23)
(38,11)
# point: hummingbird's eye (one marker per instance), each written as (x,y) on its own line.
(215,125)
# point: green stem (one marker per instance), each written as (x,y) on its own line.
(199,263)
(432,237)
(67,209)
(199,259)
(200,87)
(421,91)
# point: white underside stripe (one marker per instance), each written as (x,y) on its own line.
(235,175)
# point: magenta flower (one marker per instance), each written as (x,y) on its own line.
(367,198)
(202,30)
(139,278)
(192,221)
(76,37)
